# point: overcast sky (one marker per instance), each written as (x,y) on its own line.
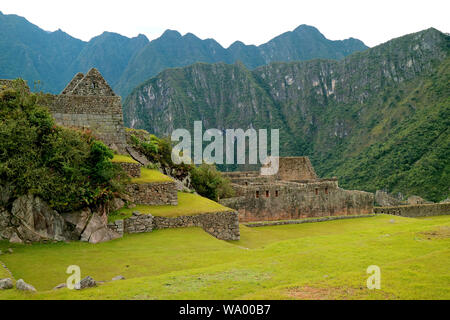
(253,22)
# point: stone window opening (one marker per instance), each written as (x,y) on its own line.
(317,191)
(276,193)
(267,193)
(257,194)
(326,190)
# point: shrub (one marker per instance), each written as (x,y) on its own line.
(210,183)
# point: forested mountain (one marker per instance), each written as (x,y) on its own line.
(54,58)
(376,119)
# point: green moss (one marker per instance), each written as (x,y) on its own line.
(188,204)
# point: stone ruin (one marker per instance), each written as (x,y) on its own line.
(89,103)
(294,192)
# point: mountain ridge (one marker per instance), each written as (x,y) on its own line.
(55,57)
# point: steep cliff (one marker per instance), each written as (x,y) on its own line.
(377,119)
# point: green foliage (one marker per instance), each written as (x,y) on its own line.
(210,183)
(159,152)
(66,168)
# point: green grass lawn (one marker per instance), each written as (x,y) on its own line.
(3,272)
(325,260)
(150,176)
(123,158)
(188,204)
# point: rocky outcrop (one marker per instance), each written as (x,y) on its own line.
(32,220)
(97,230)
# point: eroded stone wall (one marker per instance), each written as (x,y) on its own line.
(284,201)
(158,193)
(222,225)
(296,169)
(132,169)
(100,114)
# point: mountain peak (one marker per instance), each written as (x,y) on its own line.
(171,34)
(304,28)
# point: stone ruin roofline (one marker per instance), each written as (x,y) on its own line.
(91,84)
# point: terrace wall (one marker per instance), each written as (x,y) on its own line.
(419,210)
(156,193)
(222,225)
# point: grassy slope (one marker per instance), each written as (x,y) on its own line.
(123,158)
(316,260)
(151,175)
(188,204)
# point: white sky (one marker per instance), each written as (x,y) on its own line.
(253,22)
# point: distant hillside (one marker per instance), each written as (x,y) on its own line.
(376,119)
(54,57)
(173,50)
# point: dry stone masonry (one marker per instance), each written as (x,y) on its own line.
(419,210)
(156,193)
(222,225)
(89,103)
(294,192)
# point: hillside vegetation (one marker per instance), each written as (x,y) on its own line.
(377,119)
(66,168)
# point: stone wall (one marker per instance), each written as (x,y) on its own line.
(137,223)
(157,193)
(100,114)
(284,201)
(222,225)
(132,169)
(420,210)
(296,169)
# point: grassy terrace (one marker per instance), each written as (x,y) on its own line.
(123,158)
(150,176)
(326,260)
(188,204)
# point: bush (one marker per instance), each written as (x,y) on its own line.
(210,183)
(66,168)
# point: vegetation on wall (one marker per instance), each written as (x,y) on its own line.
(68,169)
(205,179)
